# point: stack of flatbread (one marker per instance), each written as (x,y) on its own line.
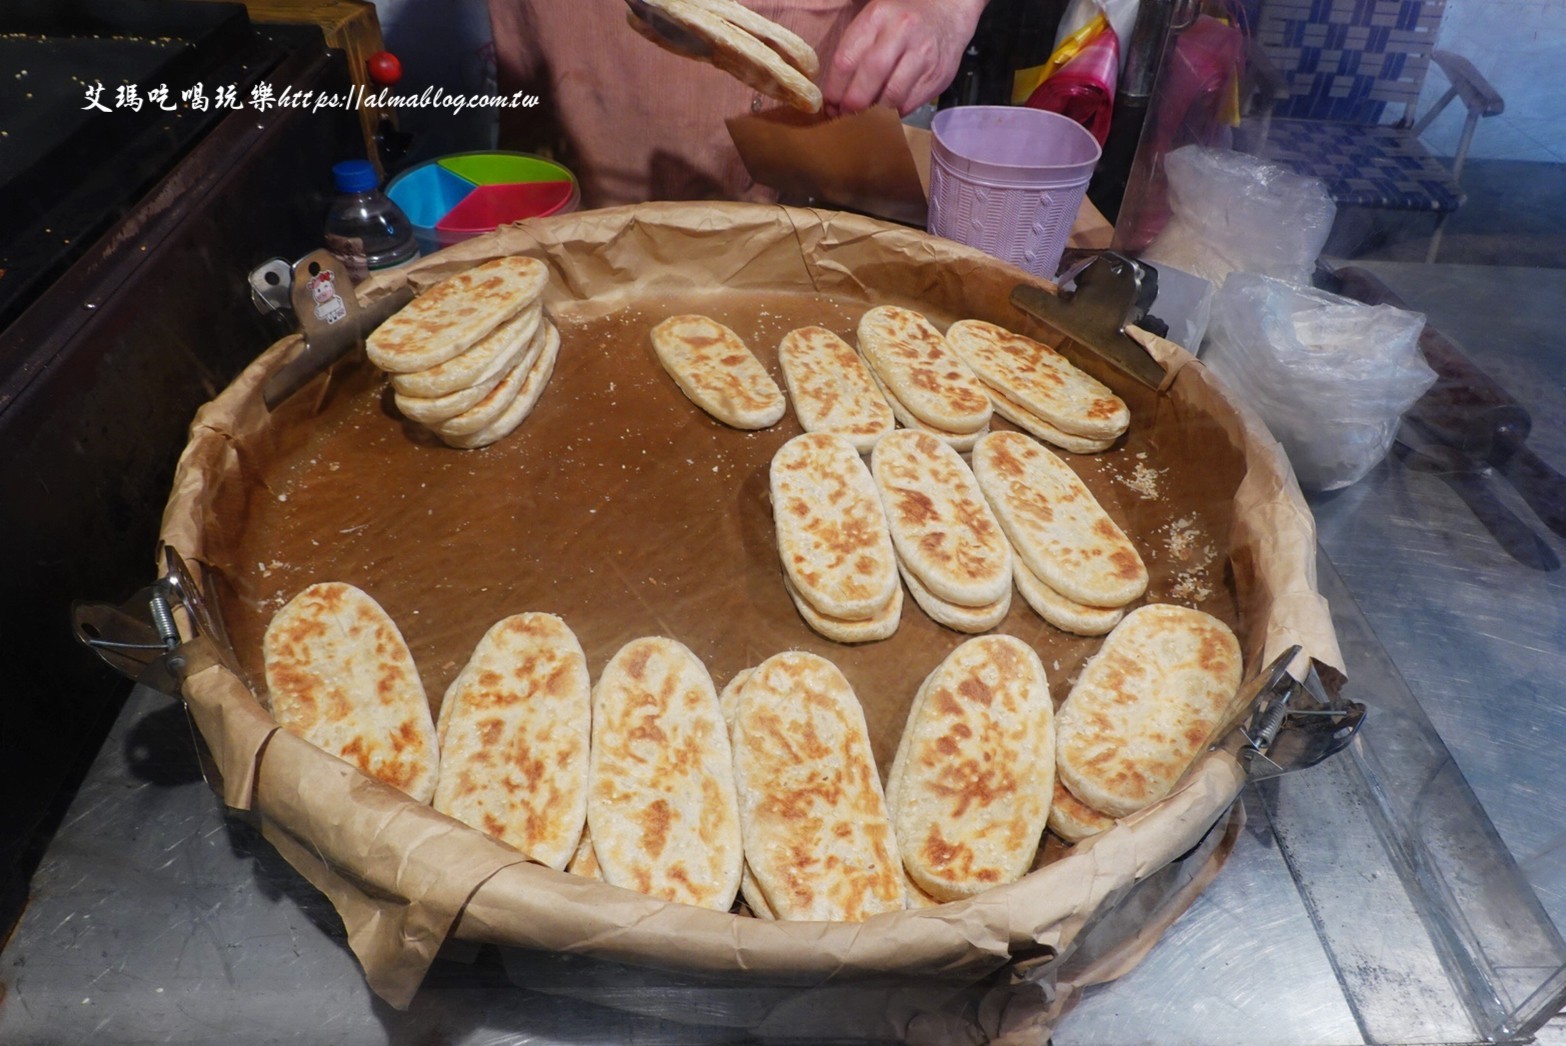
(1039,390)
(514,736)
(1143,709)
(839,565)
(339,675)
(470,357)
(1073,565)
(818,838)
(970,787)
(717,371)
(752,49)
(832,388)
(951,551)
(927,384)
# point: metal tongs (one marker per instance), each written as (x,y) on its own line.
(142,640)
(1288,724)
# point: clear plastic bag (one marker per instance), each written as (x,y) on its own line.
(1231,212)
(1330,377)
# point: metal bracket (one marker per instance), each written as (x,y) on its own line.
(1098,297)
(1290,724)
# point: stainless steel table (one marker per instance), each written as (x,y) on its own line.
(1408,891)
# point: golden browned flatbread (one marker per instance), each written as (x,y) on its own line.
(1039,380)
(975,774)
(734,50)
(962,442)
(881,625)
(514,734)
(831,530)
(714,368)
(1056,526)
(942,528)
(918,367)
(954,615)
(1037,426)
(817,835)
(339,675)
(1145,706)
(509,341)
(584,861)
(450,317)
(521,405)
(788,44)
(1072,819)
(832,389)
(1063,613)
(661,800)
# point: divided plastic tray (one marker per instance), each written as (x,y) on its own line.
(451,198)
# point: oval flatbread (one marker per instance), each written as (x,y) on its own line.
(514,733)
(790,45)
(817,835)
(1039,380)
(520,407)
(714,368)
(832,389)
(661,801)
(1056,526)
(954,615)
(735,51)
(883,625)
(1037,426)
(1145,706)
(918,367)
(975,775)
(340,676)
(450,317)
(509,341)
(942,528)
(1072,819)
(1064,614)
(831,530)
(962,442)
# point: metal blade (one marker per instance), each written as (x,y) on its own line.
(1110,293)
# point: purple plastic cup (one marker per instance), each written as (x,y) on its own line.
(1009,180)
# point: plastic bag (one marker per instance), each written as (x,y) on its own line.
(1330,377)
(1231,212)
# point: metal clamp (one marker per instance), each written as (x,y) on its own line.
(1290,724)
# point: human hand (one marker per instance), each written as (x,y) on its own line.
(901,53)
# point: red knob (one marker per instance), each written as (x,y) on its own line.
(384,68)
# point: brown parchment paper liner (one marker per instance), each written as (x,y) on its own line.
(404,877)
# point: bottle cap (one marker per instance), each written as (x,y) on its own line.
(355,176)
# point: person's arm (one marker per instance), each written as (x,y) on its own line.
(901,53)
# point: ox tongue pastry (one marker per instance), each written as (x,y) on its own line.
(1038,389)
(340,676)
(950,549)
(970,787)
(832,388)
(713,367)
(832,534)
(470,357)
(752,49)
(1057,528)
(1145,706)
(818,839)
(514,738)
(661,802)
(919,370)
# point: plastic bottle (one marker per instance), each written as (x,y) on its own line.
(363,227)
